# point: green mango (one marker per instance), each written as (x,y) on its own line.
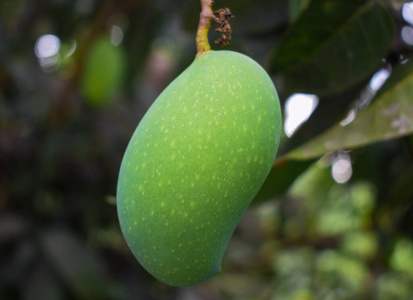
(194,163)
(103,72)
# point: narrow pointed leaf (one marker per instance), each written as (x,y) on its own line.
(389,116)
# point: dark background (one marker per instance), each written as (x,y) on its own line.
(332,221)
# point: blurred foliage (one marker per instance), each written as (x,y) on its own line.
(333,219)
(101,80)
(344,43)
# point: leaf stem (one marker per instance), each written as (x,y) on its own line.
(202,43)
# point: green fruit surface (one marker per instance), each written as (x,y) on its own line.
(194,163)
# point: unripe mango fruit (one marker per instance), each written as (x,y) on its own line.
(103,72)
(194,163)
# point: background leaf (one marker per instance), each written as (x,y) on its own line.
(389,116)
(296,7)
(282,175)
(317,54)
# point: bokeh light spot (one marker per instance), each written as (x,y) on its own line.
(407,12)
(298,108)
(47,46)
(341,169)
(116,35)
(407,35)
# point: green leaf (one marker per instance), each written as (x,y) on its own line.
(333,44)
(389,116)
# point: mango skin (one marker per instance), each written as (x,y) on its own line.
(194,163)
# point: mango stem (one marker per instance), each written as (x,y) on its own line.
(202,43)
